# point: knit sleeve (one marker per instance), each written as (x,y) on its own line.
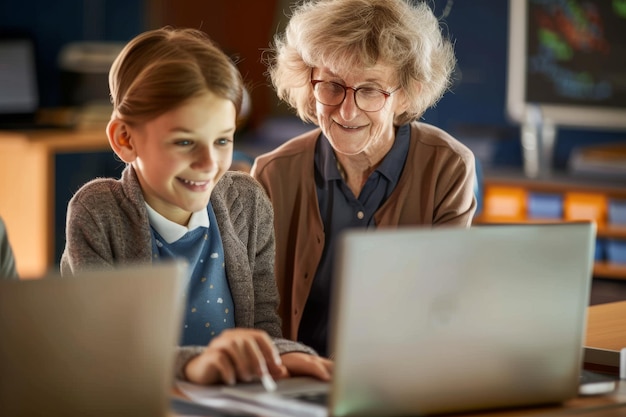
(266,292)
(7,260)
(86,244)
(105,229)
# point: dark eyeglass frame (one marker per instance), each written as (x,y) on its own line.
(387,94)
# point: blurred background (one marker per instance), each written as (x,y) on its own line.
(76,40)
(474,111)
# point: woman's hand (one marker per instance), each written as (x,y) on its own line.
(303,364)
(236,354)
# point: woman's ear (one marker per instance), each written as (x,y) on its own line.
(404,104)
(120,140)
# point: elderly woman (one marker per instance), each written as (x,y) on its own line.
(363,71)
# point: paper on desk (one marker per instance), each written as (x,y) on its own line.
(213,396)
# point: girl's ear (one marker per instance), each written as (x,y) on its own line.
(120,140)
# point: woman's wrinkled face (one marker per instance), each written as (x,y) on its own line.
(349,129)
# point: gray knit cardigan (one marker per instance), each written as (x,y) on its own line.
(108,226)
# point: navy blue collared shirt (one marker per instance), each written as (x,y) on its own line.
(340,209)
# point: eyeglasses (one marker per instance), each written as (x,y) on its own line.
(367,99)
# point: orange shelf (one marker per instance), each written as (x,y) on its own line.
(505,201)
(609,270)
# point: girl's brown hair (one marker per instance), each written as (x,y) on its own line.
(160,69)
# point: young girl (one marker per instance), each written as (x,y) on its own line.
(176,97)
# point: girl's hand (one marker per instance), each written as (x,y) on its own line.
(236,354)
(303,364)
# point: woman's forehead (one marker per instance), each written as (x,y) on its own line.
(381,73)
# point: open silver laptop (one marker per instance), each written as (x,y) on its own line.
(435,321)
(98,344)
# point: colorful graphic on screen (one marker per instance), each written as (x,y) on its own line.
(576,52)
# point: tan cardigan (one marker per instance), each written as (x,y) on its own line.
(436,188)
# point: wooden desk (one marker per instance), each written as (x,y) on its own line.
(599,406)
(27,189)
(606,329)
(596,406)
(606,326)
(606,336)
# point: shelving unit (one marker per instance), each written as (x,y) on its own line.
(29,189)
(506,200)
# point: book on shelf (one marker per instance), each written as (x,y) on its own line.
(600,160)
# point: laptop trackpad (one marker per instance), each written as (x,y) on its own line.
(291,387)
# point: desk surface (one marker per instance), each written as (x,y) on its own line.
(593,406)
(606,326)
(606,329)
(604,405)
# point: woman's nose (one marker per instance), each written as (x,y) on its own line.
(348,107)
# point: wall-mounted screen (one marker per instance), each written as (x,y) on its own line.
(568,59)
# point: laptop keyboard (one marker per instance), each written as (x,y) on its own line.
(319,398)
(593,383)
(589,377)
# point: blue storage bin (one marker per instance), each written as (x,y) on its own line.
(617,212)
(600,252)
(545,206)
(616,251)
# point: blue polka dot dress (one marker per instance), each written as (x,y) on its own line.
(210,308)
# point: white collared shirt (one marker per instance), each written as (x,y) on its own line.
(171,231)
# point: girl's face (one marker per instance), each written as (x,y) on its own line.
(181,155)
